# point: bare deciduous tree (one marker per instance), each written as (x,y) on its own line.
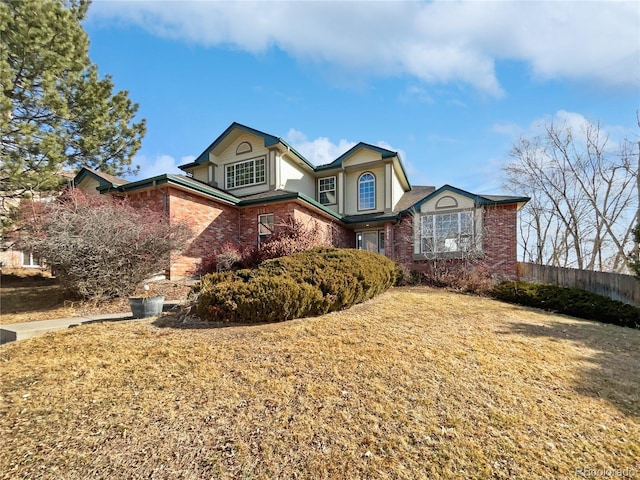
(584,197)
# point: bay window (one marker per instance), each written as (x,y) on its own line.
(447,232)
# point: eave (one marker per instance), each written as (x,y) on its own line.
(177,181)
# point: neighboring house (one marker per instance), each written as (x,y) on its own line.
(247,182)
(10,255)
(90,181)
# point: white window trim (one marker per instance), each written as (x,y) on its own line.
(236,164)
(334,190)
(433,215)
(261,223)
(374,192)
(33,262)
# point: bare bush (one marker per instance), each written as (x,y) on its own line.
(291,236)
(100,247)
(226,257)
(464,275)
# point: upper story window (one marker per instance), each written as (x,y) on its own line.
(244,147)
(367,191)
(249,172)
(447,232)
(327,190)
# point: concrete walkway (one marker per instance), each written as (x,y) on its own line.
(20,331)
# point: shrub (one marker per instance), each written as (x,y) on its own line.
(569,301)
(226,257)
(464,275)
(100,247)
(309,283)
(405,276)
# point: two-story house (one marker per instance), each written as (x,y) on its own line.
(247,182)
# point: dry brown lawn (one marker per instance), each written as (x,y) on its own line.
(417,383)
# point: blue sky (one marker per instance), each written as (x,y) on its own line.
(449,85)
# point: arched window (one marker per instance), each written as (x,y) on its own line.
(367,191)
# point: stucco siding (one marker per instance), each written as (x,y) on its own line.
(229,156)
(201,173)
(88,185)
(396,189)
(295,179)
(447,200)
(363,155)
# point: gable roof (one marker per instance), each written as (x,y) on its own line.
(103,179)
(384,154)
(337,163)
(280,195)
(410,198)
(478,199)
(413,196)
(269,141)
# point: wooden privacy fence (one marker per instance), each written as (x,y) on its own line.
(617,286)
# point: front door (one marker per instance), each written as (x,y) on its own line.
(372,240)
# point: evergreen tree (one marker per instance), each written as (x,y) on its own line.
(55,111)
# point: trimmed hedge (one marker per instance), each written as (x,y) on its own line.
(569,301)
(314,282)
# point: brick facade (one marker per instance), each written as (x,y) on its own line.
(334,232)
(215,223)
(212,223)
(500,233)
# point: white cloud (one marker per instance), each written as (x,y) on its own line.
(562,119)
(580,126)
(320,150)
(414,93)
(151,167)
(434,42)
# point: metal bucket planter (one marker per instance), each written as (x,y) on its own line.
(143,307)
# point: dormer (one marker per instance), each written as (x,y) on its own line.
(245,161)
